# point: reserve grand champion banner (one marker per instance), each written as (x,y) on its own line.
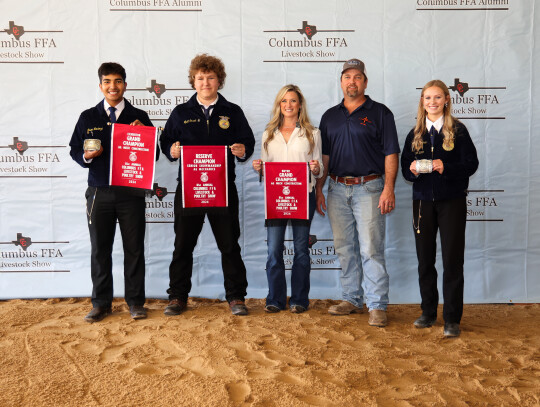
(286,190)
(133,156)
(486,52)
(204,176)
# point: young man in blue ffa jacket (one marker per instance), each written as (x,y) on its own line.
(105,204)
(207,119)
(360,152)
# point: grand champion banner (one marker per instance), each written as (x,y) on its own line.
(133,156)
(286,190)
(204,176)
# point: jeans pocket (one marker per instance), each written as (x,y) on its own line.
(331,184)
(375,186)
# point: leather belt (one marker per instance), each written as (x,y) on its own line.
(354,180)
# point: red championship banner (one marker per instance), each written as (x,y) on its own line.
(286,190)
(204,176)
(133,156)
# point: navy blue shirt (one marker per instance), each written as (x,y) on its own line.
(358,143)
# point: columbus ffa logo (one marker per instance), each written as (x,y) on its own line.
(459,87)
(476,102)
(36,47)
(153,101)
(309,30)
(160,192)
(19,145)
(306,44)
(15,30)
(157,88)
(224,122)
(22,241)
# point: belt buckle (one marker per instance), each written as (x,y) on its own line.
(347,178)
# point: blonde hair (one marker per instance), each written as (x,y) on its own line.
(448,122)
(276,119)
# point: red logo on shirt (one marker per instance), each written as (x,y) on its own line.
(364,120)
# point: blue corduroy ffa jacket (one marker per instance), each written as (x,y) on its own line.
(227,125)
(459,164)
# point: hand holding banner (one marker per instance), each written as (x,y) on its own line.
(286,190)
(133,156)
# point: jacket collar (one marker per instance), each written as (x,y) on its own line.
(128,107)
(193,102)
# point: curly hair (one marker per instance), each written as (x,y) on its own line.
(206,63)
(448,123)
(276,119)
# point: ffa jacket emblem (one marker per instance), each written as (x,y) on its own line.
(133,156)
(224,122)
(286,191)
(204,177)
(448,146)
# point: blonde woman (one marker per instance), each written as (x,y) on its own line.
(438,158)
(290,137)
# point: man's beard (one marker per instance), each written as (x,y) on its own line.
(352,93)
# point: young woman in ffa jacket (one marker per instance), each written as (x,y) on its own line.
(438,158)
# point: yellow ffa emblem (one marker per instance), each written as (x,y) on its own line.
(224,122)
(448,146)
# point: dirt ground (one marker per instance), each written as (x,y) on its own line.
(49,356)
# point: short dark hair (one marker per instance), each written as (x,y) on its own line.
(207,63)
(111,68)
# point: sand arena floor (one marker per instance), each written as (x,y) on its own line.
(206,357)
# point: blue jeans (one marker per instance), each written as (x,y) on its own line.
(359,233)
(275,267)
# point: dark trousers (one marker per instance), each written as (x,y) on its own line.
(449,217)
(104,207)
(226,229)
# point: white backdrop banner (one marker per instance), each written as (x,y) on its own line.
(486,51)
